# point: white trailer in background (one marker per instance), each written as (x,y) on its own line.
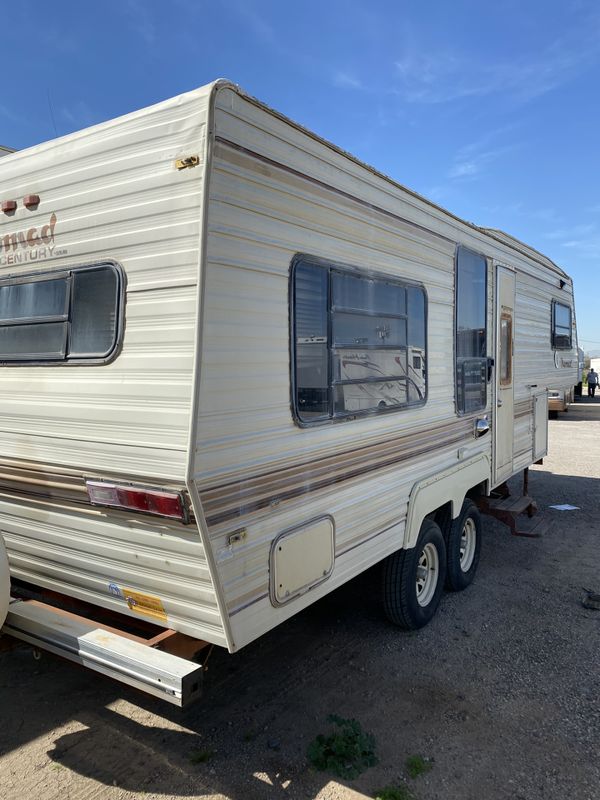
(562,393)
(237,368)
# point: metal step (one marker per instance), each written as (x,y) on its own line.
(167,676)
(533,528)
(514,505)
(509,510)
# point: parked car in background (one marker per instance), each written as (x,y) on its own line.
(559,400)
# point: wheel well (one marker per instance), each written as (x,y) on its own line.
(443,515)
(480,490)
(440,496)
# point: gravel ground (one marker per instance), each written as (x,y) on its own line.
(499,692)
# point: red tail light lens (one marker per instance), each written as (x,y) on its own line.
(162,502)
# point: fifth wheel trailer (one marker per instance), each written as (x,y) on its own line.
(238,367)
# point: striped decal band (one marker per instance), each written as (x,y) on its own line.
(523,408)
(236,499)
(232,500)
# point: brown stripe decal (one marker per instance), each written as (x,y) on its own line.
(65,486)
(229,501)
(43,483)
(232,500)
(523,408)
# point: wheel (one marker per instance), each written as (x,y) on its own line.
(463,547)
(413,580)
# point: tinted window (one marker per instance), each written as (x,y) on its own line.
(471,340)
(72,315)
(561,326)
(38,299)
(33,342)
(94,312)
(359,343)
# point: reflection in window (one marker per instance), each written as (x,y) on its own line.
(561,326)
(359,343)
(34,299)
(471,340)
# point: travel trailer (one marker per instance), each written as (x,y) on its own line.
(238,368)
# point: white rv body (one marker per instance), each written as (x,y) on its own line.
(198,396)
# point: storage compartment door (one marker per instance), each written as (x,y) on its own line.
(301,559)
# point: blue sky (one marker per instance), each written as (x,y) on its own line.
(491,110)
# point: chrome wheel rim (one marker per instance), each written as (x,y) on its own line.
(468,541)
(428,572)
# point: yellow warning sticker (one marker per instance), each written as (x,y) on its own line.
(145,604)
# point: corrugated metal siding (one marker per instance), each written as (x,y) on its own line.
(259,218)
(116,194)
(535,361)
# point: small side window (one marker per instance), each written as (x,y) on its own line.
(471,331)
(64,316)
(505,366)
(561,326)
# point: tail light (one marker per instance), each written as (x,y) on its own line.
(162,502)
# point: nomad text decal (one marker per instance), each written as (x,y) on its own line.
(34,244)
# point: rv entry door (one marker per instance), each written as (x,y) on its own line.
(504,419)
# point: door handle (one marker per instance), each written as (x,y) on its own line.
(499,403)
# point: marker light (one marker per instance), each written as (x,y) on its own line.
(162,502)
(8,206)
(31,201)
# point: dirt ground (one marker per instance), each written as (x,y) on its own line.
(500,693)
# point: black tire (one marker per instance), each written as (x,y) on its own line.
(401,603)
(468,521)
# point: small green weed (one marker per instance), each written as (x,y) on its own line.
(346,752)
(417,765)
(201,756)
(394,793)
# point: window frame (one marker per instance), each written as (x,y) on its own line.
(505,381)
(364,273)
(553,344)
(67,273)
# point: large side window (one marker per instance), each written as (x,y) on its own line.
(64,316)
(561,326)
(359,343)
(471,340)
